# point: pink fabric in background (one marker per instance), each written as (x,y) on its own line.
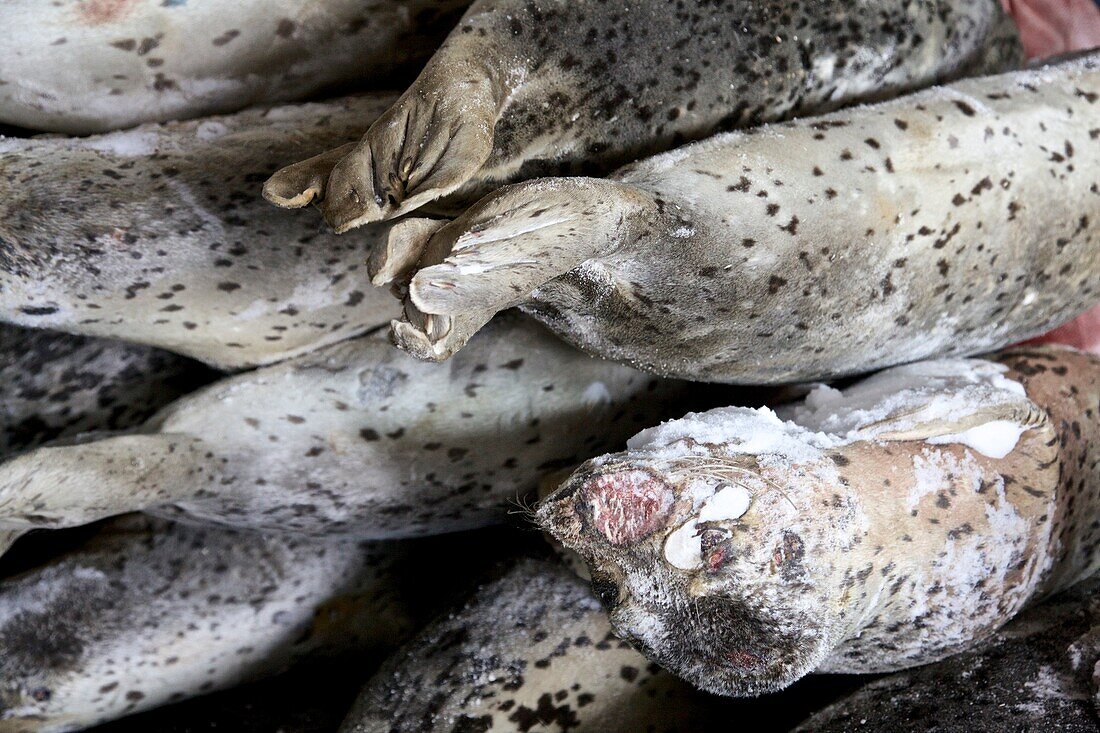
(1051,27)
(1048,28)
(1082,332)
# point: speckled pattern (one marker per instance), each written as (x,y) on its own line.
(539,87)
(157,235)
(1036,674)
(151,612)
(968,211)
(531,652)
(869,556)
(82,66)
(54,385)
(355,439)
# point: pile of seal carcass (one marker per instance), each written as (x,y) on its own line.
(625,251)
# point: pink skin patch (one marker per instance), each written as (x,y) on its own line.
(744,660)
(627,505)
(98,12)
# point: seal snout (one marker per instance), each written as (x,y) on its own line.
(626,505)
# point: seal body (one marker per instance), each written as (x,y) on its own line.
(523,88)
(969,212)
(150,612)
(529,651)
(155,235)
(884,527)
(84,66)
(54,385)
(355,439)
(1037,672)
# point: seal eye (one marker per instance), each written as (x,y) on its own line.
(606,590)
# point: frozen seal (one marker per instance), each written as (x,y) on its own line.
(156,235)
(1037,673)
(886,526)
(531,650)
(83,66)
(54,385)
(354,439)
(949,222)
(523,88)
(150,612)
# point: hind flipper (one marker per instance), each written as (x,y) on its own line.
(505,247)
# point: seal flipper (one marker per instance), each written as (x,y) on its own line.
(506,246)
(300,184)
(430,143)
(66,486)
(902,427)
(405,243)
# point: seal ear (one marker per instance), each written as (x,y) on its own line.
(506,246)
(67,486)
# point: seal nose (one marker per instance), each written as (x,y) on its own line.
(626,506)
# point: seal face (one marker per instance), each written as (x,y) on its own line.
(882,527)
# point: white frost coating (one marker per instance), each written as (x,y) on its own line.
(941,390)
(596,394)
(127,144)
(933,470)
(730,503)
(210,130)
(683,548)
(994,439)
(738,430)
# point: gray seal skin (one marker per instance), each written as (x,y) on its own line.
(548,87)
(54,385)
(1035,674)
(952,221)
(530,651)
(355,439)
(85,66)
(156,235)
(888,526)
(150,612)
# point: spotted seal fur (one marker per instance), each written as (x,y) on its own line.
(151,612)
(952,221)
(355,439)
(530,651)
(155,235)
(887,526)
(54,385)
(1038,673)
(529,87)
(84,66)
